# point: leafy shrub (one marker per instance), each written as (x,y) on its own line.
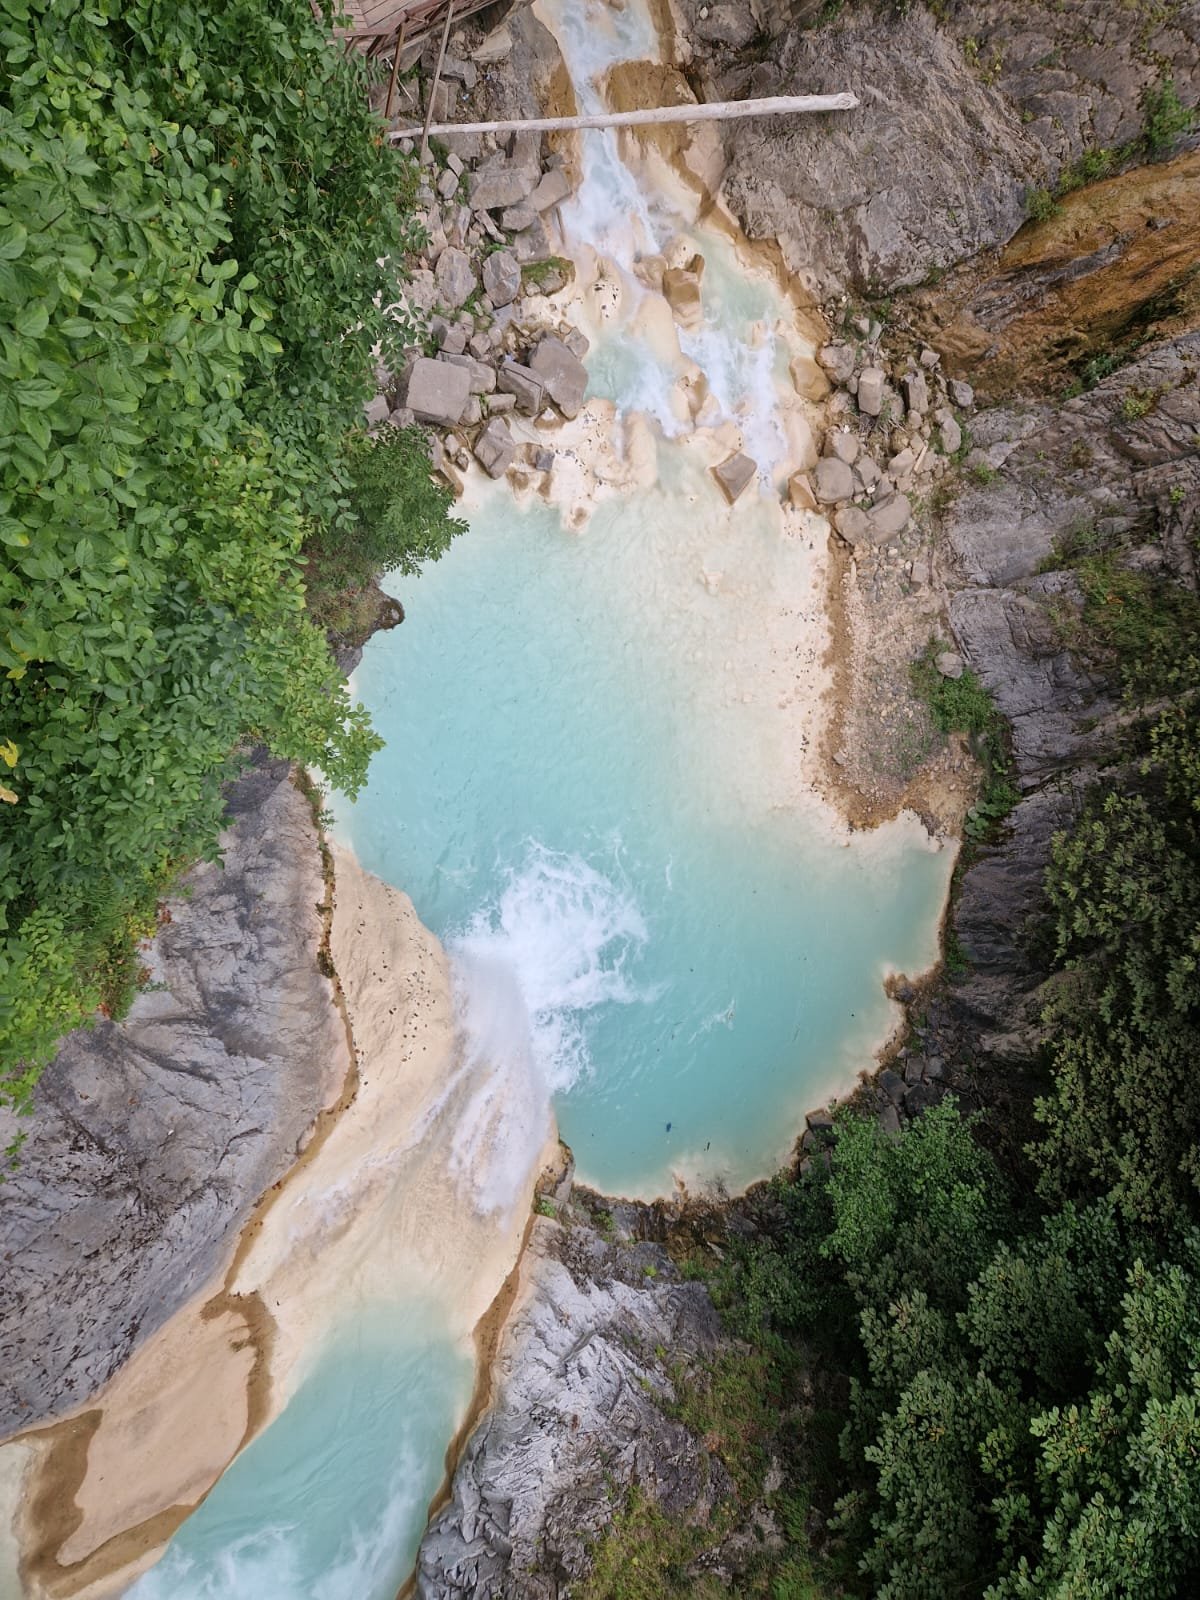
(196,204)
(395,515)
(963,705)
(1164,116)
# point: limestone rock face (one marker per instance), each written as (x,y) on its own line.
(961,116)
(151,1139)
(576,1419)
(1060,469)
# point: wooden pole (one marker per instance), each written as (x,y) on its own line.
(705,111)
(437,78)
(399,51)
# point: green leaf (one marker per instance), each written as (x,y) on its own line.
(32,321)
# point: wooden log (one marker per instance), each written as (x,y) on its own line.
(437,78)
(397,52)
(704,111)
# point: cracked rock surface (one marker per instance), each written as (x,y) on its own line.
(151,1139)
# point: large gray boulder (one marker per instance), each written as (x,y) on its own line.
(501,277)
(455,277)
(562,373)
(438,391)
(515,379)
(495,449)
(151,1139)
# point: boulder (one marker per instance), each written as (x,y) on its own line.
(889,517)
(500,402)
(916,392)
(809,382)
(455,277)
(681,287)
(950,436)
(835,481)
(562,374)
(553,188)
(376,411)
(734,474)
(838,361)
(515,219)
(726,24)
(500,182)
(482,376)
(800,492)
(524,383)
(494,448)
(961,393)
(853,525)
(950,664)
(871,382)
(501,277)
(437,391)
(532,245)
(843,445)
(496,47)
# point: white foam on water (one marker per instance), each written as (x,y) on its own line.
(559,942)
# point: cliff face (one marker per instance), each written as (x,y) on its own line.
(1116,467)
(966,108)
(152,1139)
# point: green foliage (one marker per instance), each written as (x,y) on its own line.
(963,705)
(1040,205)
(1022,1413)
(396,517)
(196,202)
(1164,116)
(1124,1114)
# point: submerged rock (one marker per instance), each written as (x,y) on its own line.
(735,474)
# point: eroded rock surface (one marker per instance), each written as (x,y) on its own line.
(1117,465)
(584,1363)
(963,114)
(151,1139)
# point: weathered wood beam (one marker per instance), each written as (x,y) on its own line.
(706,111)
(433,88)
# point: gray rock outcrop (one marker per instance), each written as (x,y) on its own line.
(584,1365)
(151,1139)
(1095,467)
(963,113)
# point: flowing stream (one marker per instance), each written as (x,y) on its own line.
(598,789)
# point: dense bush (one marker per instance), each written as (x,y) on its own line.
(196,202)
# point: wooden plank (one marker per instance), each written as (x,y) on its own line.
(704,111)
